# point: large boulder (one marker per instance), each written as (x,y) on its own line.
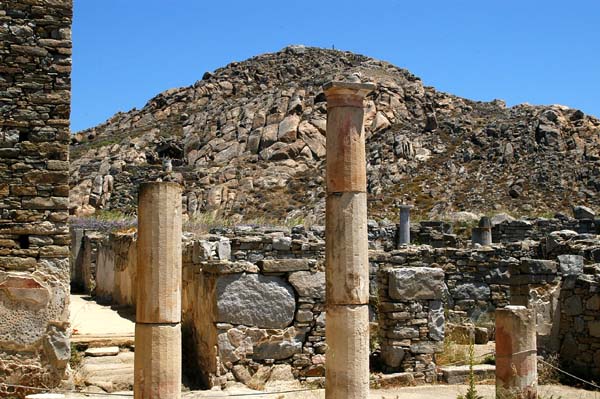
(255,300)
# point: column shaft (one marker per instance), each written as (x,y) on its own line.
(157,363)
(159,253)
(347,263)
(404,226)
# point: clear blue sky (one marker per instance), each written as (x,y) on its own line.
(541,52)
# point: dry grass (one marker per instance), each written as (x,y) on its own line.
(453,353)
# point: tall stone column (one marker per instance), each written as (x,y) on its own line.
(347,262)
(516,353)
(157,364)
(404,226)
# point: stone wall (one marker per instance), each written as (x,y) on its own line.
(411,318)
(536,229)
(580,325)
(35,66)
(253,306)
(115,266)
(476,279)
(253,298)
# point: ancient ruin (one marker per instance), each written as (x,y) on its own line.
(256,228)
(254,298)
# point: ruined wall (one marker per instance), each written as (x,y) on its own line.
(580,325)
(253,298)
(35,66)
(411,319)
(253,306)
(536,229)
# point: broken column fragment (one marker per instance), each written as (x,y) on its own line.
(516,353)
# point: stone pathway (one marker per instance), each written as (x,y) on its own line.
(90,318)
(108,335)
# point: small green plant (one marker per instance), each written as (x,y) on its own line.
(489,359)
(472,390)
(76,357)
(374,339)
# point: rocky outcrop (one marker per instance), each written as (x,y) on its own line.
(248,140)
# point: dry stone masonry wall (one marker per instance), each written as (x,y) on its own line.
(264,294)
(253,298)
(35,66)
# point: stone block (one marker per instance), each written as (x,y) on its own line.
(308,284)
(102,351)
(25,289)
(594,327)
(255,300)
(392,356)
(570,265)
(581,212)
(416,283)
(538,266)
(283,265)
(396,379)
(279,346)
(436,321)
(460,374)
(573,306)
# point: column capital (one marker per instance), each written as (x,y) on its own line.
(347,94)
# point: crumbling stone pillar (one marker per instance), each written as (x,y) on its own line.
(347,270)
(404,226)
(482,234)
(516,353)
(157,365)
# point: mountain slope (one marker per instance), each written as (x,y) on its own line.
(248,141)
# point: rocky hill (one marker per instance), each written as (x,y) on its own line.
(248,141)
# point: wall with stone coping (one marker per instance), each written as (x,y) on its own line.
(35,66)
(233,278)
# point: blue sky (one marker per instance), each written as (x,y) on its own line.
(540,52)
